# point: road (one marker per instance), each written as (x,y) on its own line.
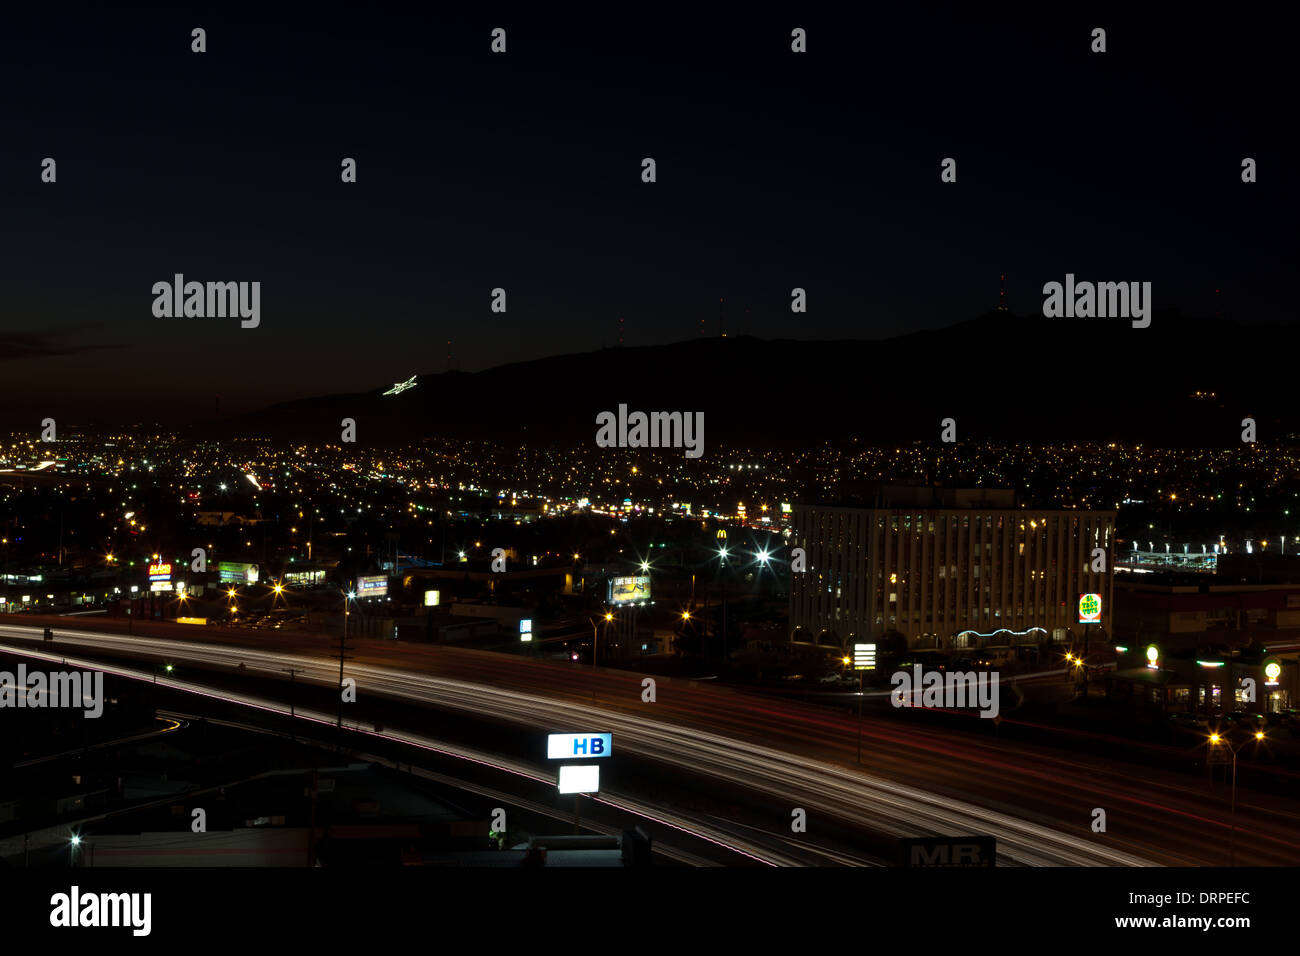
(915,780)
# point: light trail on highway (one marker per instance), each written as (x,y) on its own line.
(825,790)
(692,827)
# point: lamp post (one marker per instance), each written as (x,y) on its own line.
(859,716)
(1218,740)
(347,597)
(595,635)
(722,564)
(845,661)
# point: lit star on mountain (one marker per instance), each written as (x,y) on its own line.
(399,387)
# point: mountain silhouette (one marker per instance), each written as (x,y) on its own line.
(1000,376)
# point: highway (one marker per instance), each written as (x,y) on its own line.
(915,780)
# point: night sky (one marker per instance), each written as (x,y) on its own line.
(523,171)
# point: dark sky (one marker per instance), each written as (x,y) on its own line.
(522,170)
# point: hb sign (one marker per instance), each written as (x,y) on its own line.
(571,746)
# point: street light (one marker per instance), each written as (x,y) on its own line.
(347,596)
(722,563)
(1218,740)
(595,636)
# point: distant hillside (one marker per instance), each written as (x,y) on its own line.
(1000,376)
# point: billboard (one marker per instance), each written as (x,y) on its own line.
(373,586)
(304,579)
(234,572)
(432,598)
(1089,608)
(161,571)
(633,589)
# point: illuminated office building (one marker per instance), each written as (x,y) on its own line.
(945,569)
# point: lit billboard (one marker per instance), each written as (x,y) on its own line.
(373,586)
(304,579)
(234,572)
(1089,608)
(629,590)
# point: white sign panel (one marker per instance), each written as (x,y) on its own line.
(577,746)
(580,778)
(864,657)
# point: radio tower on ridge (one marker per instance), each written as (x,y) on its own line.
(1002,295)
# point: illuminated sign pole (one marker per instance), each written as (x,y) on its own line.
(1089,614)
(578,779)
(864,659)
